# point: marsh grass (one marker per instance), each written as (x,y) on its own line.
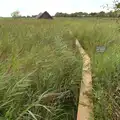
(37,58)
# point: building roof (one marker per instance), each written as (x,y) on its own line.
(44,15)
(39,15)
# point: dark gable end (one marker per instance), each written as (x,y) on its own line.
(44,15)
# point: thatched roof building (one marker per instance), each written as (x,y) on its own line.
(44,15)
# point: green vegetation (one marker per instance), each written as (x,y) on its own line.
(114,13)
(38,58)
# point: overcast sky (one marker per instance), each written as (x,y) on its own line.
(33,7)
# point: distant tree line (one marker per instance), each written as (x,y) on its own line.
(79,14)
(76,14)
(92,14)
(114,13)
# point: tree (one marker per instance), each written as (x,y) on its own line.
(102,14)
(111,14)
(118,6)
(15,14)
(118,9)
(93,14)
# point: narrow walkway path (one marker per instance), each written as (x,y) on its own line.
(85,107)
